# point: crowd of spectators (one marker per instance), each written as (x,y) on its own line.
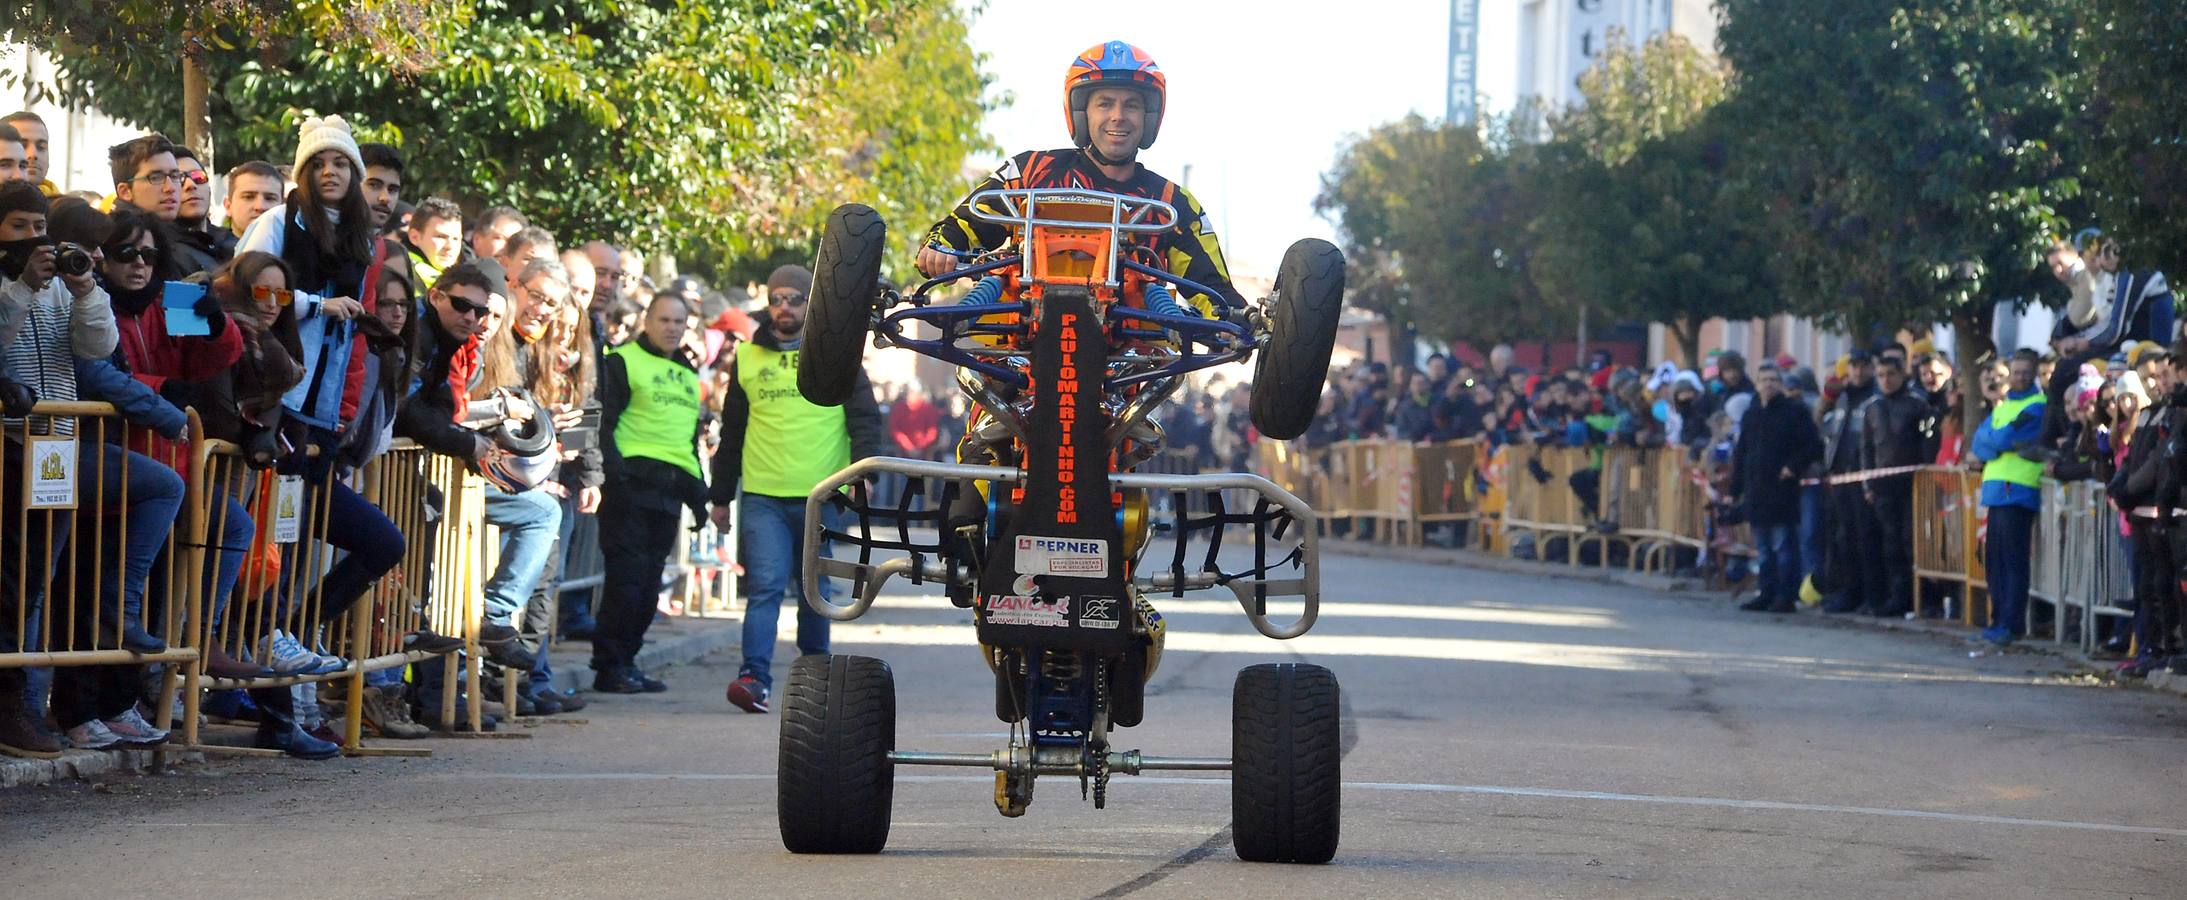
(337,315)
(1820,467)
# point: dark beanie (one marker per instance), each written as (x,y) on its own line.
(795,277)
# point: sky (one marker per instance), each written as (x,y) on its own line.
(1262,96)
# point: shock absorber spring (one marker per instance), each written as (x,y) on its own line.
(1060,666)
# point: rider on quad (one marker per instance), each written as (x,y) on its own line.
(1113,98)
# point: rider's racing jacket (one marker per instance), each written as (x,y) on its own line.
(1188,251)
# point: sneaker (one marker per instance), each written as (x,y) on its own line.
(1998,635)
(131,729)
(92,735)
(571,701)
(747,694)
(285,656)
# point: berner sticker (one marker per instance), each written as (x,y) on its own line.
(1062,556)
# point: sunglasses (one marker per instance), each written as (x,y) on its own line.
(791,299)
(468,307)
(134,253)
(279,296)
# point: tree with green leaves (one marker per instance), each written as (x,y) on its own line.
(1913,157)
(716,130)
(1440,218)
(2133,129)
(1644,221)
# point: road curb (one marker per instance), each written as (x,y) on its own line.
(2163,682)
(83,765)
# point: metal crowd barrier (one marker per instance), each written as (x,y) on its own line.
(1947,518)
(2078,564)
(59,539)
(280,584)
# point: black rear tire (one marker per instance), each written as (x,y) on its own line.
(834,781)
(1287,379)
(846,285)
(1286,754)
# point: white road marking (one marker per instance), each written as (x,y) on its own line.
(1408,787)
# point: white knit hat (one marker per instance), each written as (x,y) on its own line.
(329,133)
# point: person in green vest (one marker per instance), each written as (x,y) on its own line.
(777,447)
(2012,492)
(650,415)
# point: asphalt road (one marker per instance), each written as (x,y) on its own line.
(1510,736)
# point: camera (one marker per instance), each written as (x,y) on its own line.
(71,259)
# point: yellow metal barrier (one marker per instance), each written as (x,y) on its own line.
(281,589)
(61,537)
(1947,518)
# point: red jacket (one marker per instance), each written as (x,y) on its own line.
(154,356)
(353,382)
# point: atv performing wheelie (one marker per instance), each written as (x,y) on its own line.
(1069,341)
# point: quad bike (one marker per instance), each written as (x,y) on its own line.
(1070,339)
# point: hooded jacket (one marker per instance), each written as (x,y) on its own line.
(43,332)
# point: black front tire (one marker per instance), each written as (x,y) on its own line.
(846,286)
(1287,379)
(1286,756)
(834,782)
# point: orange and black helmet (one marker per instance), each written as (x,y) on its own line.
(1114,64)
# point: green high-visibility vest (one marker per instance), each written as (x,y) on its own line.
(662,419)
(2010,467)
(790,445)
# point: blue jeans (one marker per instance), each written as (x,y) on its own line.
(769,547)
(2008,554)
(1812,532)
(529,524)
(370,543)
(236,531)
(1780,562)
(546,597)
(154,493)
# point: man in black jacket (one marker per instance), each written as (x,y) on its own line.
(1847,508)
(649,443)
(2158,612)
(1897,432)
(1777,441)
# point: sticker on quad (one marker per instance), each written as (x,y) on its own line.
(1061,586)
